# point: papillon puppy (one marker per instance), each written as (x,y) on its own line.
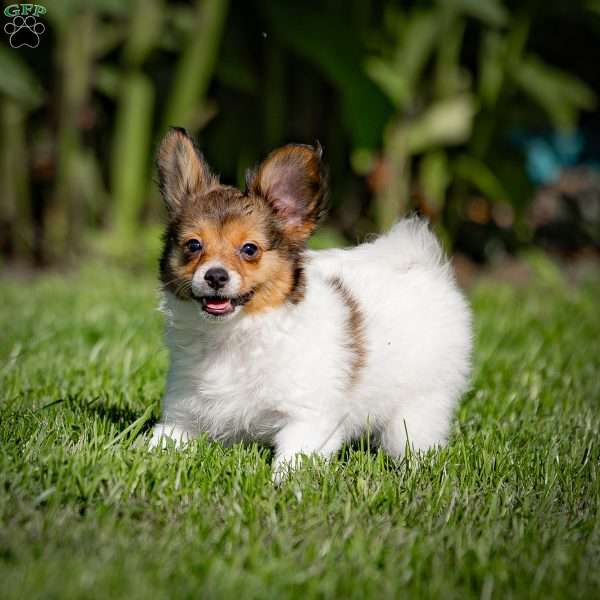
(301,350)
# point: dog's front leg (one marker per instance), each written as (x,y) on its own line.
(162,433)
(304,437)
(175,425)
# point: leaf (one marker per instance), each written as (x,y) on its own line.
(108,80)
(18,81)
(131,147)
(398,75)
(336,53)
(490,12)
(61,11)
(445,122)
(479,175)
(108,36)
(435,177)
(491,68)
(390,79)
(450,76)
(558,93)
(363,160)
(145,28)
(196,65)
(417,41)
(593,6)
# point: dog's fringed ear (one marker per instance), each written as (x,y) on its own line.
(293,182)
(182,171)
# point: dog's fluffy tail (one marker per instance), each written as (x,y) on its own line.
(409,242)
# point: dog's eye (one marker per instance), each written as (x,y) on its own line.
(249,250)
(194,245)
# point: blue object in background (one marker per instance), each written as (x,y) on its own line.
(547,154)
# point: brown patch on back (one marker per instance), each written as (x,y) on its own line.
(355,340)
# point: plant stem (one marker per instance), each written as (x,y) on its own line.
(15,213)
(196,66)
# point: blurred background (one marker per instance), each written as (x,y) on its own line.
(480,114)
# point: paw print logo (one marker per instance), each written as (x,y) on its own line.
(24,31)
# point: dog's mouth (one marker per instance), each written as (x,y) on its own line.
(220,306)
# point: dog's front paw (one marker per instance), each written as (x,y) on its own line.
(164,434)
(283,465)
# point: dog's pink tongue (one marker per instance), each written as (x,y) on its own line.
(219,305)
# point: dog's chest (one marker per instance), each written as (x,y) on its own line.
(246,382)
(236,376)
(245,389)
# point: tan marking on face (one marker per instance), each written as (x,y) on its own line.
(270,273)
(222,243)
(273,284)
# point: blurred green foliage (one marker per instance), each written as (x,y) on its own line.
(412,101)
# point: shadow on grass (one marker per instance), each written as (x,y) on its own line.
(121,416)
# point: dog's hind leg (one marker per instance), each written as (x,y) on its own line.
(422,424)
(305,437)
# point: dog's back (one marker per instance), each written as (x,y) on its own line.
(417,330)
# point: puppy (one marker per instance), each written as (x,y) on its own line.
(296,349)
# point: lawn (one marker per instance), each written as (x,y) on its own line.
(510,508)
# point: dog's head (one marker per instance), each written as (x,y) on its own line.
(230,250)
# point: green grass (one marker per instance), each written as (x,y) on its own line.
(508,509)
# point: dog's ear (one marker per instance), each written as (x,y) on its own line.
(182,171)
(293,182)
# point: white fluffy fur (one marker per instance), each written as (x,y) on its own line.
(282,376)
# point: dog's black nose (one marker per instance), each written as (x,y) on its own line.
(216,277)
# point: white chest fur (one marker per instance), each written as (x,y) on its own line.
(246,378)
